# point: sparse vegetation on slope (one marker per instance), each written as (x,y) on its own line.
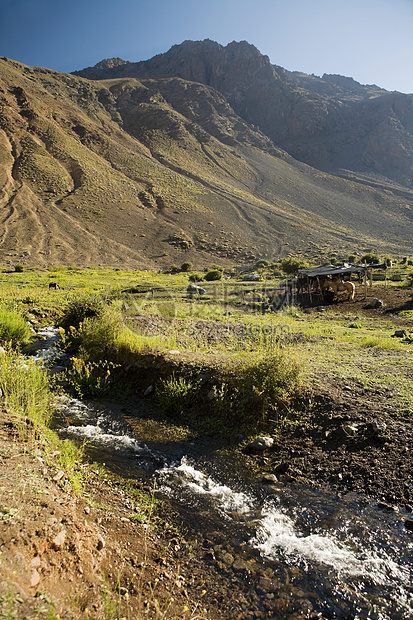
(161,171)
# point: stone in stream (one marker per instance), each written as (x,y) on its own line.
(259,444)
(408,524)
(269,479)
(148,390)
(240,567)
(269,585)
(375,303)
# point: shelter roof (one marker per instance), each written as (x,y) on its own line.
(332,270)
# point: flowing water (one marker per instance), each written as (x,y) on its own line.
(343,556)
(352,560)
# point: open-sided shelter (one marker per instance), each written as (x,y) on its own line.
(313,278)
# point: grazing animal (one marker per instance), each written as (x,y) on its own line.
(340,286)
(53,285)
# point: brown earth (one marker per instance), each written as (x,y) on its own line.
(343,449)
(89,552)
(147,174)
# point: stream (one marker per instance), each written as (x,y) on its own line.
(341,556)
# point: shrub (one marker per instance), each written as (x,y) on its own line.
(215,266)
(187,266)
(94,337)
(25,388)
(81,308)
(370,258)
(90,379)
(175,393)
(19,268)
(268,385)
(213,275)
(292,265)
(196,277)
(13,329)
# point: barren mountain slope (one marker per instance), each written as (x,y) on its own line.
(146,173)
(331,123)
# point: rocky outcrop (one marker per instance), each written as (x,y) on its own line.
(332,123)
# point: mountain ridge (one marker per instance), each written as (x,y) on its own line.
(145,172)
(316,120)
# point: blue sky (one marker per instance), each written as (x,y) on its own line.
(369,40)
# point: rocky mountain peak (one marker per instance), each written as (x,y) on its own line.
(99,70)
(332,123)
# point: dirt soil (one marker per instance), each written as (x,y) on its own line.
(88,557)
(358,440)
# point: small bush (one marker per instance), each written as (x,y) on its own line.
(187,266)
(213,275)
(14,329)
(370,258)
(268,385)
(176,393)
(292,265)
(81,308)
(196,277)
(90,379)
(25,388)
(94,337)
(19,268)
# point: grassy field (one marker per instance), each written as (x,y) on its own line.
(227,329)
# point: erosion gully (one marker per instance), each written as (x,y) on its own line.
(341,556)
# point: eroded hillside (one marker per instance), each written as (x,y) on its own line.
(151,172)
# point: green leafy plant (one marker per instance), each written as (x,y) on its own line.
(175,393)
(370,258)
(14,329)
(213,275)
(25,387)
(291,265)
(90,379)
(80,308)
(267,385)
(186,266)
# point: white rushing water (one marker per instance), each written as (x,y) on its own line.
(49,350)
(226,500)
(94,434)
(276,533)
